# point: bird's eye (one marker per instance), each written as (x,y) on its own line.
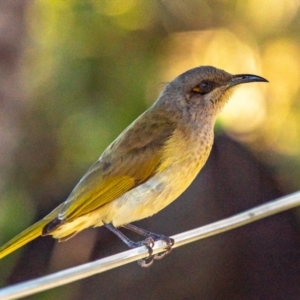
(204,87)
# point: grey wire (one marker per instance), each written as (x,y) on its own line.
(34,286)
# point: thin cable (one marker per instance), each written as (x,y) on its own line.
(34,286)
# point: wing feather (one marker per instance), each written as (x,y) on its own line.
(124,165)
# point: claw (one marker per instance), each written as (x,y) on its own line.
(149,244)
(159,256)
(170,243)
(143,262)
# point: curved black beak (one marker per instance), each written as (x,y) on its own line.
(244,78)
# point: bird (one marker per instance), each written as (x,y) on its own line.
(149,165)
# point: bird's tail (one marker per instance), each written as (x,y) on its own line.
(23,238)
(28,234)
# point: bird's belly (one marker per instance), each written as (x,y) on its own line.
(153,195)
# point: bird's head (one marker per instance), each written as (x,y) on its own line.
(203,91)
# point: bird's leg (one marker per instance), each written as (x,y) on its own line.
(148,243)
(155,237)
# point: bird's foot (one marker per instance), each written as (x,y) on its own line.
(149,244)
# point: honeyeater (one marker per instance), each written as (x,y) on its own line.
(148,165)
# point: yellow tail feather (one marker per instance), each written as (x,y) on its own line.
(28,234)
(23,238)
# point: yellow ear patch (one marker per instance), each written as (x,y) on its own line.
(196,89)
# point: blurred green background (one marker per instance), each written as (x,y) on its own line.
(78,72)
